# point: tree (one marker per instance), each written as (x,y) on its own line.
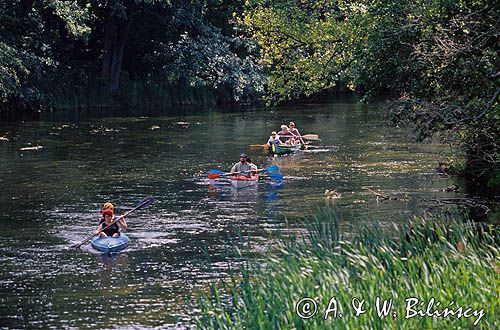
(30,40)
(82,53)
(440,58)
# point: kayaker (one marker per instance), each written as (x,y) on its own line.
(242,167)
(293,129)
(114,229)
(108,205)
(284,135)
(273,139)
(293,141)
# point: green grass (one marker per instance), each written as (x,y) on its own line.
(427,258)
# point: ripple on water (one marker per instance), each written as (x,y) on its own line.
(185,239)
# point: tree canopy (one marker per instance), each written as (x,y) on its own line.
(439,59)
(54,50)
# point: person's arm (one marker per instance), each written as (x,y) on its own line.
(234,168)
(122,223)
(99,232)
(300,136)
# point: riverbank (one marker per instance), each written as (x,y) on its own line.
(436,273)
(141,94)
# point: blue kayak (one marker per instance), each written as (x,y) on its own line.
(111,244)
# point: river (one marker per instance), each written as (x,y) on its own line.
(51,198)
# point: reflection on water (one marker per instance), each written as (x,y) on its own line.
(111,262)
(51,198)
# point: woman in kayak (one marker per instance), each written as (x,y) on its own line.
(108,205)
(293,129)
(114,229)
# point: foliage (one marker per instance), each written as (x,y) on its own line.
(57,53)
(27,57)
(207,60)
(427,258)
(202,54)
(439,57)
(396,46)
(301,45)
(459,88)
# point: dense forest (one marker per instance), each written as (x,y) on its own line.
(438,61)
(68,54)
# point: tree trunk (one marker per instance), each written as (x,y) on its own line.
(116,34)
(118,52)
(109,32)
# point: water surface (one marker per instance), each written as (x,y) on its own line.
(51,198)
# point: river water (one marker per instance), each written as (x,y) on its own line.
(51,198)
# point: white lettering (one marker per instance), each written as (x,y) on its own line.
(410,302)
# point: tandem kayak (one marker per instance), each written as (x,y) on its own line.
(241,181)
(283,150)
(111,244)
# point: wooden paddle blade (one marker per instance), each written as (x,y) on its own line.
(310,136)
(214,176)
(258,146)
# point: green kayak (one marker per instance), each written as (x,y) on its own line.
(283,150)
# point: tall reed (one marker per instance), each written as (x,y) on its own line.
(426,258)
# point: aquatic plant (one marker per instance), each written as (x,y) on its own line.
(426,259)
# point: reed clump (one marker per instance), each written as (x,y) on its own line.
(426,258)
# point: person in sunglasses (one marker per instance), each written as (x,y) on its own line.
(294,131)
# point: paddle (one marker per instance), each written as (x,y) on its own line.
(214,174)
(142,204)
(274,176)
(307,136)
(258,146)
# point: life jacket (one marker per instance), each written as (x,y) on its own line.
(111,230)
